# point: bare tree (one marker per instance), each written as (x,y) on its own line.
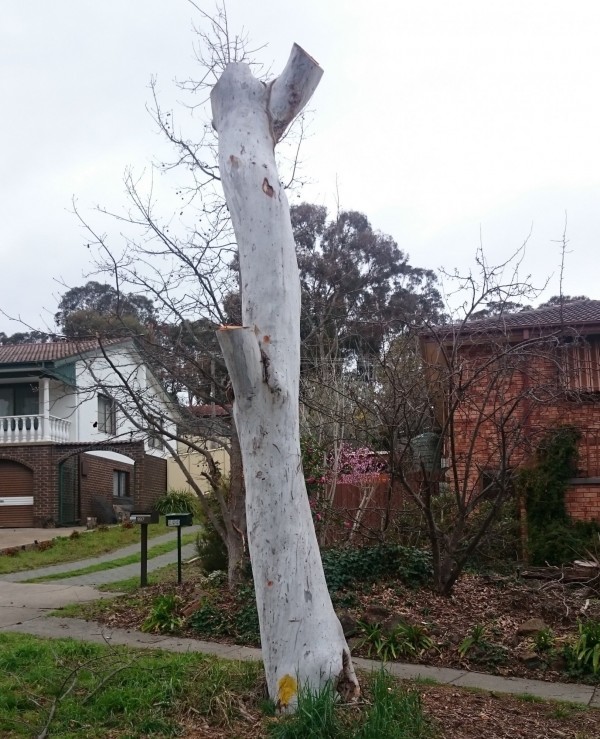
(483,383)
(182,262)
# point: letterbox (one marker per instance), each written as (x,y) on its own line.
(143,517)
(178,519)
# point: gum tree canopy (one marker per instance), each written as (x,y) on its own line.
(302,639)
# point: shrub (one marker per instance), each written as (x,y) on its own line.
(211,550)
(237,620)
(346,566)
(210,620)
(480,650)
(553,538)
(543,641)
(178,501)
(163,616)
(584,655)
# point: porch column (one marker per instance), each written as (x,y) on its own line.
(46,409)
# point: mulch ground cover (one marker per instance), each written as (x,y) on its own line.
(493,610)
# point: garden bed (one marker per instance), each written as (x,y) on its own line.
(504,626)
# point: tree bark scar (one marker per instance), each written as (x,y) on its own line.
(265,361)
(234,161)
(267,189)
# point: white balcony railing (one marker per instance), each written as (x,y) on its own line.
(25,429)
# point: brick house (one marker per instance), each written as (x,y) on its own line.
(72,443)
(509,380)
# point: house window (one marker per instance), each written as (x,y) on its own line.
(107,415)
(582,365)
(19,400)
(155,440)
(120,484)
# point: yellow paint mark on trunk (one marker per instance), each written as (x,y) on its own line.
(287,689)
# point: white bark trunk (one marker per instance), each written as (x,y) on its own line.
(302,640)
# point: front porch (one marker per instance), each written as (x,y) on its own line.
(30,420)
(27,429)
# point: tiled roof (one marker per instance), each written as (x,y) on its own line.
(49,352)
(576,314)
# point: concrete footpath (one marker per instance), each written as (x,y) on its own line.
(53,627)
(105,577)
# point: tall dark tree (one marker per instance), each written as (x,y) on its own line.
(25,337)
(558,300)
(98,308)
(358,287)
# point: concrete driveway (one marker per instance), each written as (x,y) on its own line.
(20,603)
(22,537)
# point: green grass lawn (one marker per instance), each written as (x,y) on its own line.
(166,574)
(88,544)
(63,688)
(101,691)
(167,546)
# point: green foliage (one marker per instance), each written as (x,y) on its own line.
(559,542)
(163,615)
(245,618)
(583,656)
(178,501)
(553,537)
(475,638)
(544,484)
(211,550)
(543,641)
(404,640)
(237,620)
(315,717)
(480,650)
(343,567)
(394,713)
(210,620)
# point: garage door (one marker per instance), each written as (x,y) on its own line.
(16,495)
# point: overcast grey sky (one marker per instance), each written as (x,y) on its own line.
(441,121)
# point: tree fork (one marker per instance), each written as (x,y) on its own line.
(302,640)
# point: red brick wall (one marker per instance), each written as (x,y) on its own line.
(44,460)
(535,413)
(96,480)
(583,502)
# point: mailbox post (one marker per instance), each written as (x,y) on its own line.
(143,519)
(177,520)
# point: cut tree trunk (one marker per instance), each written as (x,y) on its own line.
(302,639)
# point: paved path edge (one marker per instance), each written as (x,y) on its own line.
(79,629)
